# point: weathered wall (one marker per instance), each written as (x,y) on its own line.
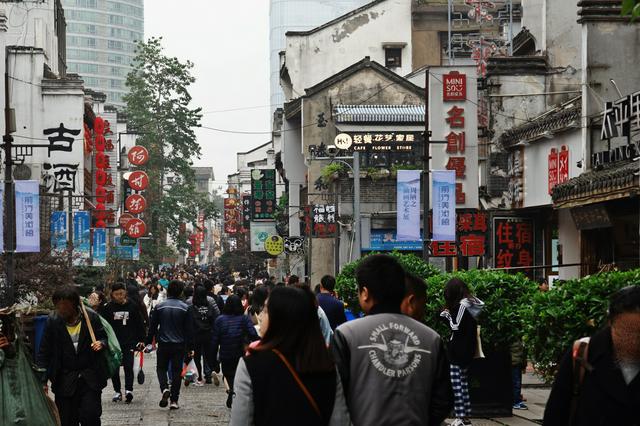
(569,237)
(314,57)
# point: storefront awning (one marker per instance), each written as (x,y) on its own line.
(610,183)
(379,114)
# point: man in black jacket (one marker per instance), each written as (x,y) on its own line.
(609,391)
(331,306)
(124,317)
(75,365)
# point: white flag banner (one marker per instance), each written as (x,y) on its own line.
(444,205)
(408,205)
(27,216)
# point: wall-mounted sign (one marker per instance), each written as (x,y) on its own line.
(246,211)
(515,171)
(471,233)
(343,141)
(322,221)
(138,155)
(620,153)
(563,165)
(513,242)
(387,240)
(294,245)
(126,240)
(552,169)
(231,216)
(594,216)
(385,141)
(453,116)
(274,245)
(138,180)
(619,117)
(263,194)
(260,232)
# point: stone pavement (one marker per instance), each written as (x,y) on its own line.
(205,405)
(199,406)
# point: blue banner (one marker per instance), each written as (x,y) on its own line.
(59,231)
(99,247)
(81,236)
(444,205)
(126,252)
(408,205)
(386,240)
(27,201)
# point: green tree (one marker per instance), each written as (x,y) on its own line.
(158,107)
(631,8)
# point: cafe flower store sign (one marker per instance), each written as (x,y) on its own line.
(453,119)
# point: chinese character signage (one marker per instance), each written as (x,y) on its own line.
(513,242)
(620,116)
(471,233)
(323,221)
(100,247)
(231,216)
(27,201)
(515,171)
(59,231)
(82,234)
(453,118)
(260,232)
(552,169)
(384,141)
(558,167)
(246,211)
(408,205)
(594,216)
(126,252)
(263,194)
(444,205)
(387,240)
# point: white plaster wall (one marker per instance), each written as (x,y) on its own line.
(293,160)
(312,58)
(536,165)
(569,237)
(533,17)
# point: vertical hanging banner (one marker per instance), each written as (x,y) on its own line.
(444,205)
(1,218)
(27,201)
(99,247)
(408,205)
(59,231)
(81,236)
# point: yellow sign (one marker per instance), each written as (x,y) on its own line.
(274,245)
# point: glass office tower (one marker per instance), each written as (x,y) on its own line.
(101,36)
(298,15)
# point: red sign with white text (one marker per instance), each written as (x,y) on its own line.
(553,169)
(138,181)
(563,165)
(135,228)
(135,204)
(454,86)
(138,155)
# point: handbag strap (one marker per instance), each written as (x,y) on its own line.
(299,382)
(88,321)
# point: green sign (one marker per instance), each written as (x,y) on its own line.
(126,240)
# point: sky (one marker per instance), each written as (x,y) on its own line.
(228,42)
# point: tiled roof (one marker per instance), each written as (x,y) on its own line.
(379,113)
(596,185)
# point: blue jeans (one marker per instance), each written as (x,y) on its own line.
(516,378)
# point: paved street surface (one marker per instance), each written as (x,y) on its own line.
(205,405)
(199,406)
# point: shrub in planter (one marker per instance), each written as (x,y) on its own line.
(573,309)
(347,288)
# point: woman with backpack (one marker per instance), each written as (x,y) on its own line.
(204,318)
(461,314)
(231,333)
(290,377)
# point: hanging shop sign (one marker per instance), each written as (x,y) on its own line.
(515,171)
(260,232)
(321,221)
(552,169)
(274,245)
(99,247)
(27,201)
(126,240)
(453,117)
(471,233)
(444,206)
(408,205)
(135,204)
(135,228)
(138,155)
(138,180)
(263,194)
(558,170)
(294,245)
(124,219)
(125,252)
(513,242)
(81,236)
(246,211)
(231,216)
(59,231)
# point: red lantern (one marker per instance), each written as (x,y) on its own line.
(100,143)
(101,177)
(102,160)
(101,194)
(98,126)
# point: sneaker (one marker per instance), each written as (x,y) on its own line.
(174,405)
(216,380)
(198,383)
(117,397)
(520,406)
(165,398)
(457,422)
(128,396)
(229,399)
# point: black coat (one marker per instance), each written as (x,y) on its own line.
(64,366)
(605,398)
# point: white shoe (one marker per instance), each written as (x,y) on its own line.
(457,422)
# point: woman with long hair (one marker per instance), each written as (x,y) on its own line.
(151,298)
(231,333)
(204,317)
(255,311)
(461,312)
(290,377)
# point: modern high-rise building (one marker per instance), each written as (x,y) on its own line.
(101,36)
(298,15)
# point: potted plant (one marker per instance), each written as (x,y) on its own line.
(396,167)
(331,172)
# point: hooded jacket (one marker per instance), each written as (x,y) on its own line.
(464,336)
(394,370)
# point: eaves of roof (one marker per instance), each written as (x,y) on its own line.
(334,21)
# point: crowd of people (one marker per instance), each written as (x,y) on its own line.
(287,354)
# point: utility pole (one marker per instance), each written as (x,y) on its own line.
(356,204)
(425,174)
(9,229)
